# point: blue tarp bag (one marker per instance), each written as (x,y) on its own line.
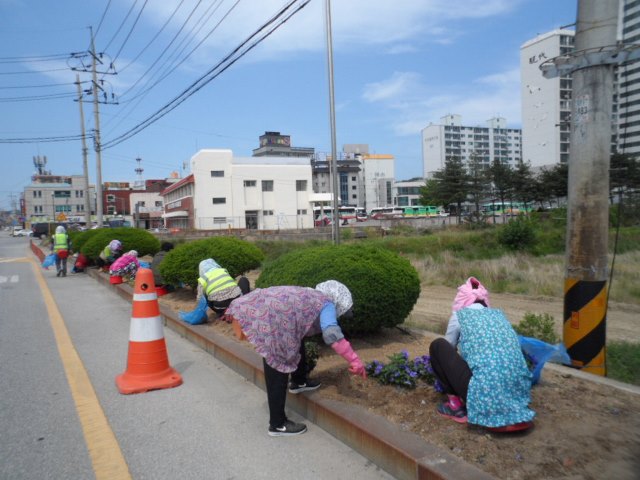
(197,316)
(49,260)
(144,264)
(538,353)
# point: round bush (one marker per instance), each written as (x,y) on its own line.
(518,234)
(237,256)
(132,239)
(384,285)
(78,239)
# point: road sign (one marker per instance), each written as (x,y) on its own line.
(61,217)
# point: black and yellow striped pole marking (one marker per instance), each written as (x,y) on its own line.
(584,332)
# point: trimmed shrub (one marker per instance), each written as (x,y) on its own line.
(237,256)
(132,239)
(78,239)
(518,234)
(384,285)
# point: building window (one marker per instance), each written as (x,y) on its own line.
(354,187)
(267,212)
(39,193)
(111,198)
(302,211)
(217,173)
(219,200)
(354,196)
(158,203)
(301,185)
(219,219)
(249,183)
(353,179)
(267,185)
(35,194)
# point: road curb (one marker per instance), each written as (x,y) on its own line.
(402,454)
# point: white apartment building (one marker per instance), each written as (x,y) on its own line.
(408,192)
(450,138)
(627,91)
(266,193)
(546,102)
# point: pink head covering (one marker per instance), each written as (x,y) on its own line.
(468,293)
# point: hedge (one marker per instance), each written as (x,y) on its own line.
(180,265)
(384,285)
(137,239)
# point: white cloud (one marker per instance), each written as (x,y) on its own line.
(413,104)
(355,23)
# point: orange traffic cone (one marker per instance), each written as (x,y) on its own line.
(147,363)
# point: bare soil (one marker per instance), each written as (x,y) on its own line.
(583,429)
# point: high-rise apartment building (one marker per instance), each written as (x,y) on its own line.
(450,139)
(546,102)
(627,89)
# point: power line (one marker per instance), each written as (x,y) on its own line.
(35,58)
(121,25)
(104,14)
(41,86)
(53,96)
(130,31)
(154,37)
(211,74)
(68,138)
(24,72)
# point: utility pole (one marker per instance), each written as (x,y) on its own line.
(85,165)
(332,121)
(97,146)
(586,263)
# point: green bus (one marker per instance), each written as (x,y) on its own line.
(420,211)
(509,208)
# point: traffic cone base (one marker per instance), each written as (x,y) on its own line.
(147,362)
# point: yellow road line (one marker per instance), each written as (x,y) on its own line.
(8,260)
(104,450)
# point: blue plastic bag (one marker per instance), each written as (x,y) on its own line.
(197,316)
(538,353)
(144,264)
(49,260)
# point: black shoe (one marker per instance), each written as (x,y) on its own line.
(58,274)
(64,274)
(303,387)
(289,428)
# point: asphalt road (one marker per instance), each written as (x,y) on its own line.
(56,425)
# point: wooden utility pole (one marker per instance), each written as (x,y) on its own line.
(332,121)
(85,165)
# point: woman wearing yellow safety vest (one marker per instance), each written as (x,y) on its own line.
(218,286)
(60,245)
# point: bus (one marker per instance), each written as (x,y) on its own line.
(497,209)
(386,212)
(421,211)
(323,216)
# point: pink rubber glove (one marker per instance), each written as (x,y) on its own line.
(343,348)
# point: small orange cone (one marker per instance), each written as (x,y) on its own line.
(147,363)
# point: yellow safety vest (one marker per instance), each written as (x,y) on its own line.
(215,280)
(60,242)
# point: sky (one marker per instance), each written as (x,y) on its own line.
(185,75)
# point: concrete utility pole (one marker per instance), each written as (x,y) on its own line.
(332,119)
(96,114)
(586,262)
(85,166)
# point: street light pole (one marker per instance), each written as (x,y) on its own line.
(332,120)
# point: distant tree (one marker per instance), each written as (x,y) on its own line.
(522,181)
(500,175)
(556,182)
(479,184)
(453,182)
(430,193)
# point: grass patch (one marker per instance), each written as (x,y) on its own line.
(623,362)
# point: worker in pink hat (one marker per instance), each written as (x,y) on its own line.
(480,364)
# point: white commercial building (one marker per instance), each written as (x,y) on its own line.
(266,193)
(450,139)
(546,102)
(61,198)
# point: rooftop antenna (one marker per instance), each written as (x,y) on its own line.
(40,162)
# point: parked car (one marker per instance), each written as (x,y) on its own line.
(23,232)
